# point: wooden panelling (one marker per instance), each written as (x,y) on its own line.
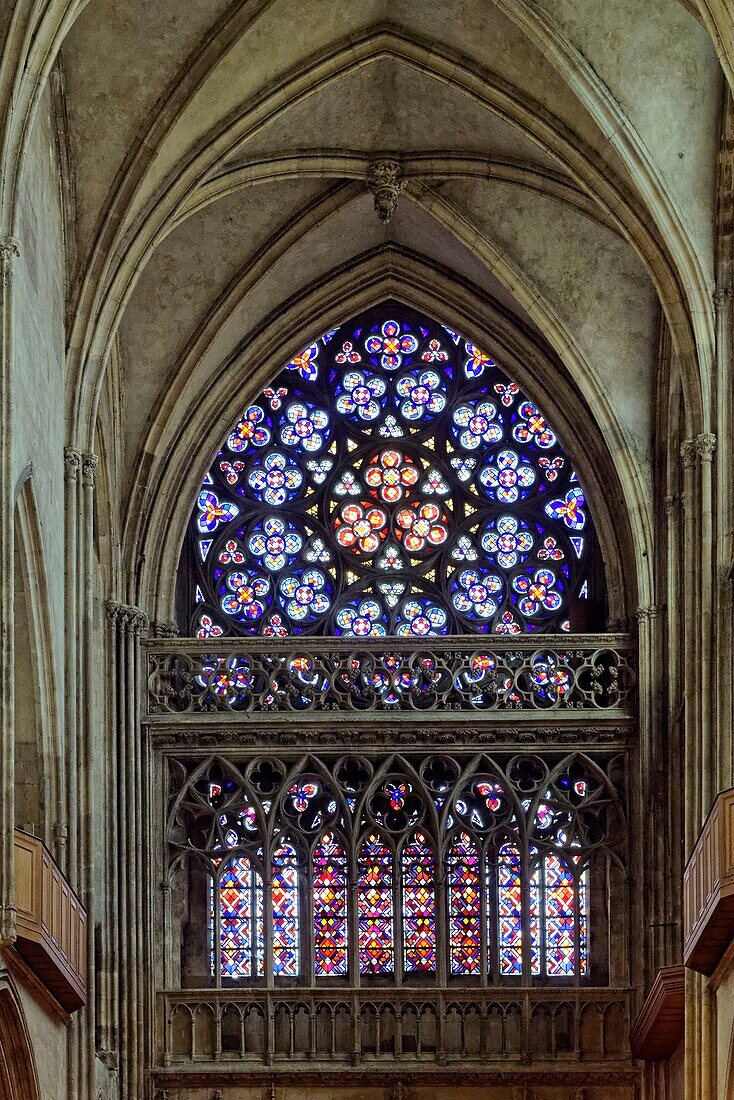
(708,889)
(659,1026)
(51,923)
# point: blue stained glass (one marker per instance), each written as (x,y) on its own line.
(392,450)
(463,884)
(509,876)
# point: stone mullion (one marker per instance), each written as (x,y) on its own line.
(648,718)
(688,569)
(8,252)
(705,447)
(142,838)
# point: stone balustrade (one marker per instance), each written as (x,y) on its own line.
(416,1025)
(570,676)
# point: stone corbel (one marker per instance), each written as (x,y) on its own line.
(385,182)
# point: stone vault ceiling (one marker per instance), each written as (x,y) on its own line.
(220,155)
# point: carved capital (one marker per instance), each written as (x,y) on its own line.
(670,503)
(90,463)
(688,454)
(385,183)
(165,630)
(722,295)
(9,251)
(705,446)
(645,614)
(127,617)
(73,462)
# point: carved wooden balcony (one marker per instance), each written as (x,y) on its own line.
(708,889)
(660,1023)
(51,923)
(419,1027)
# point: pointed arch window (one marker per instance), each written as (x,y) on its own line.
(494,887)
(392,480)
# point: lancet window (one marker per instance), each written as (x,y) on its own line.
(428,870)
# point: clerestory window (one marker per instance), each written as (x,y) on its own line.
(416,871)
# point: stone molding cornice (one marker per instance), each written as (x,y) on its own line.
(72,461)
(90,462)
(9,249)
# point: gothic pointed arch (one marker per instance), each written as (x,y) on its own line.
(392,479)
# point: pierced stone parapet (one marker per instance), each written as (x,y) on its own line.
(594,674)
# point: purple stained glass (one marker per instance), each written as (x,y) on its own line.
(509,906)
(240,920)
(375,906)
(330,938)
(464,905)
(419,906)
(285,912)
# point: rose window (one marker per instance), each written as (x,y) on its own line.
(392,480)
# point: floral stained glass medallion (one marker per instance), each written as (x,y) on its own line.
(392,480)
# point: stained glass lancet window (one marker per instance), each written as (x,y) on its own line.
(393,479)
(464,905)
(330,937)
(375,905)
(419,906)
(240,920)
(488,881)
(285,912)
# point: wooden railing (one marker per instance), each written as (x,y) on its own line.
(51,923)
(269,1027)
(708,889)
